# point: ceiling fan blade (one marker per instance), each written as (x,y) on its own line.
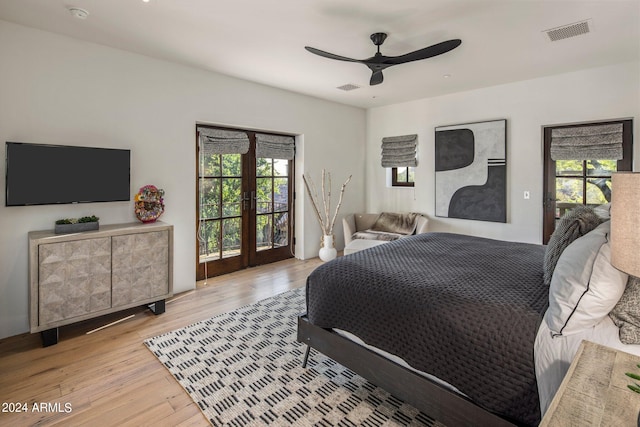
(330,55)
(427,52)
(376,78)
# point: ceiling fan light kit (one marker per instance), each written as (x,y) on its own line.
(379,62)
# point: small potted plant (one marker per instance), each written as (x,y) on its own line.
(634,387)
(76,225)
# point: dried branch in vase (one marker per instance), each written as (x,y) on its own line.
(322,207)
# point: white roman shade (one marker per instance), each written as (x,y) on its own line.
(275,146)
(219,141)
(598,142)
(399,151)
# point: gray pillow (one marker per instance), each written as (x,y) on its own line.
(626,313)
(575,223)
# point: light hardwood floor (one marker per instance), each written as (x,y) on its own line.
(110,378)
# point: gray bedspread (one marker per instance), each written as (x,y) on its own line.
(465,309)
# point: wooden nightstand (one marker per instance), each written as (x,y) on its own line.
(594,392)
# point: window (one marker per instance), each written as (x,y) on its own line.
(582,182)
(403,177)
(569,182)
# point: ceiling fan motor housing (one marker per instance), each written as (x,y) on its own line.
(378,38)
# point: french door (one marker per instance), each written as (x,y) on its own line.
(244,209)
(572,182)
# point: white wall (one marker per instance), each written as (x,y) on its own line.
(596,94)
(58,90)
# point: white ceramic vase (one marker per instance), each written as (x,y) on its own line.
(327,251)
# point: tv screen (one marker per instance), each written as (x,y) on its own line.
(38,174)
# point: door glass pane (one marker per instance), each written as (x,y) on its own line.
(231,165)
(569,190)
(280,194)
(272,193)
(231,189)
(263,195)
(598,191)
(210,198)
(209,244)
(211,165)
(281,229)
(280,167)
(263,167)
(601,167)
(568,194)
(231,237)
(263,232)
(569,167)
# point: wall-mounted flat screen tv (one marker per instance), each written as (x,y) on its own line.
(39,174)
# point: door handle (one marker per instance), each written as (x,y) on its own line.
(253,200)
(244,199)
(549,201)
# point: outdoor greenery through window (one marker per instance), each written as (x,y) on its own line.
(272,203)
(582,182)
(245,196)
(403,177)
(220,206)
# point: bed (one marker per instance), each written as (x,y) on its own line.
(458,326)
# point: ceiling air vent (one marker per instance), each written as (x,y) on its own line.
(348,87)
(571,30)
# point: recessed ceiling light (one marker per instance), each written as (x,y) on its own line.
(145,1)
(446,76)
(78,13)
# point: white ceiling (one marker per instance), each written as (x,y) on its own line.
(263,40)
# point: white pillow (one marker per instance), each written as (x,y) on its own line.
(603,211)
(585,286)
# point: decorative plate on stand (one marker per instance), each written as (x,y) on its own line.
(149,203)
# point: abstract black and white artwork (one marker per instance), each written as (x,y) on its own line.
(471,171)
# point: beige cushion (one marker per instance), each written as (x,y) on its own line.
(360,244)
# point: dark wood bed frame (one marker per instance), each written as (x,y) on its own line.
(435,400)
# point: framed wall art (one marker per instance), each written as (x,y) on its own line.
(471,171)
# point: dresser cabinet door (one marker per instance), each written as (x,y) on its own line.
(74,279)
(140,267)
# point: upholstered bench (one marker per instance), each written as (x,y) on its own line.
(360,244)
(362,231)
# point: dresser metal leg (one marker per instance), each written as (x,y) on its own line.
(49,337)
(157,307)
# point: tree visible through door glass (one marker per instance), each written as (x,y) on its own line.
(272,191)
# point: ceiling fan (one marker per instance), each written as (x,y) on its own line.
(379,62)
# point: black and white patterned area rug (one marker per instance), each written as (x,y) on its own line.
(244,368)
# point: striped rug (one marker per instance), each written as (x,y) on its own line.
(244,369)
